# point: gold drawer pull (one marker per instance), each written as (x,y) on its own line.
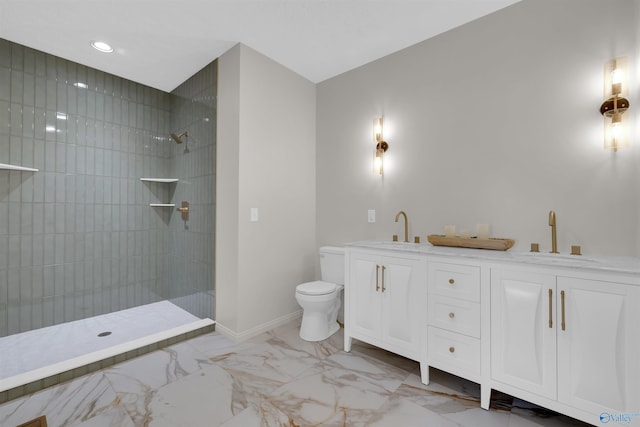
(452,349)
(383,269)
(563,324)
(452,315)
(377,274)
(451,281)
(550,308)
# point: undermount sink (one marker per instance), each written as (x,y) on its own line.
(555,259)
(393,245)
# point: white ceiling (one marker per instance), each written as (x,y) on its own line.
(161,43)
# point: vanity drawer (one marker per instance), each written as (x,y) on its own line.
(456,281)
(452,352)
(454,314)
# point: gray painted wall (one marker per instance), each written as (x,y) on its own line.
(493,122)
(266,160)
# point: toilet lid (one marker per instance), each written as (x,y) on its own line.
(316,288)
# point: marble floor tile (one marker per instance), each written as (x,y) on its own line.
(157,368)
(402,412)
(289,336)
(260,368)
(520,417)
(213,344)
(478,417)
(376,371)
(117,417)
(269,363)
(440,381)
(249,417)
(201,399)
(333,397)
(272,380)
(359,347)
(67,404)
(436,397)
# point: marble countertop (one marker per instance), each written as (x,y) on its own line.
(617,264)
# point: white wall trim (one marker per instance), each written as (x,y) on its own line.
(257,330)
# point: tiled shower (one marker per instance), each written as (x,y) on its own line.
(78,238)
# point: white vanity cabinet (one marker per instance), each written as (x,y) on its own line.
(385,294)
(567,343)
(563,333)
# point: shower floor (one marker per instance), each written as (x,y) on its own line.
(37,354)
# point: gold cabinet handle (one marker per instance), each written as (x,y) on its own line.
(452,349)
(377,274)
(550,308)
(562,303)
(451,281)
(383,269)
(452,315)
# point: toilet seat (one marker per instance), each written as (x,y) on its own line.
(318,287)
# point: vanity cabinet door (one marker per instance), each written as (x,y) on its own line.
(403,303)
(523,331)
(597,346)
(365,304)
(386,297)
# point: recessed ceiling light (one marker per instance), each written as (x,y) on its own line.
(101,46)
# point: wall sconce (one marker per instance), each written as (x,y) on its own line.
(616,84)
(381,147)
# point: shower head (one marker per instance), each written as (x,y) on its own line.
(178,138)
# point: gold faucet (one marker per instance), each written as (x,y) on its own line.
(406,225)
(554,240)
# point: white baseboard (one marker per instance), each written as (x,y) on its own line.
(257,330)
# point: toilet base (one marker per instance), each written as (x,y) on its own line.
(316,328)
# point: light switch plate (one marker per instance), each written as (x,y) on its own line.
(254,214)
(371,215)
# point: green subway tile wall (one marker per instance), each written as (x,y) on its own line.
(78,238)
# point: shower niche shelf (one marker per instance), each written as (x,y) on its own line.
(5,166)
(163,181)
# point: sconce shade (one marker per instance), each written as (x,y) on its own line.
(378,160)
(615,133)
(377,129)
(381,147)
(616,77)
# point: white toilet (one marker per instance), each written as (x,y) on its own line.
(320,300)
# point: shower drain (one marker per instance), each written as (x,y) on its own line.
(104,334)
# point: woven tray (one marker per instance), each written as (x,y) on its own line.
(471,242)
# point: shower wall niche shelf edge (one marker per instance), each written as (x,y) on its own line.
(5,166)
(166,180)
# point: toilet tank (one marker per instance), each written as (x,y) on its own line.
(332,264)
